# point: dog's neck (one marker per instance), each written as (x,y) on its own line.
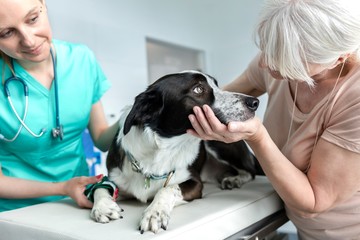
(137,168)
(152,155)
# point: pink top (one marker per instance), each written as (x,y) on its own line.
(340,121)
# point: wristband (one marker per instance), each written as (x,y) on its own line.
(104,183)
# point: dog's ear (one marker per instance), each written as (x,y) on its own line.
(115,154)
(147,107)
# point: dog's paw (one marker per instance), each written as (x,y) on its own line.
(105,209)
(154,218)
(236,181)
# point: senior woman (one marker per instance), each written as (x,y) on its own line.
(309,142)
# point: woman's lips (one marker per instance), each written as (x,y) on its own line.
(34,51)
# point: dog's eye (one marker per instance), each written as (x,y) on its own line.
(198,89)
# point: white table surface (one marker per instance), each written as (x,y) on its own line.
(219,214)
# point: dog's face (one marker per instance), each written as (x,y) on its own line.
(167,103)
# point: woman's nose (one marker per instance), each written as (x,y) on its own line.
(27,38)
(262,63)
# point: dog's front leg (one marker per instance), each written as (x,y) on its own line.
(157,214)
(105,208)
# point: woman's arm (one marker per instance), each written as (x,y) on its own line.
(15,188)
(101,133)
(242,85)
(333,176)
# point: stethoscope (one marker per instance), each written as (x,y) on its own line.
(57,132)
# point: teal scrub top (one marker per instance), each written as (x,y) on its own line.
(81,83)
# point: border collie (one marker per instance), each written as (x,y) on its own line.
(152,157)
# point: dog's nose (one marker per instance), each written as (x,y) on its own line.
(252,103)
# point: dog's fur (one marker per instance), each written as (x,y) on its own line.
(152,144)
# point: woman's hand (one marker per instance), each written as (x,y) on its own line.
(208,127)
(16,188)
(76,186)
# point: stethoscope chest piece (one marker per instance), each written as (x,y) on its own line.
(58,132)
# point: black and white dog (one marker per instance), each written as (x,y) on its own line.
(152,157)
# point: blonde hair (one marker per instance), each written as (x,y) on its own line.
(294,33)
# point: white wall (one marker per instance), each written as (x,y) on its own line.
(116,30)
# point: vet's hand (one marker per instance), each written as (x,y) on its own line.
(208,127)
(75,188)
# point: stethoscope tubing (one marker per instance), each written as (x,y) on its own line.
(57,131)
(22,121)
(7,94)
(57,114)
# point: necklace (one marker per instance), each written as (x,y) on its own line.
(327,103)
(292,113)
(326,106)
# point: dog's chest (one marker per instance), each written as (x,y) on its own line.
(154,158)
(134,184)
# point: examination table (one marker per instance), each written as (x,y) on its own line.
(250,212)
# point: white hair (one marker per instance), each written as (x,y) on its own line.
(294,33)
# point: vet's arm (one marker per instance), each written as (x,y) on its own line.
(102,135)
(16,188)
(242,85)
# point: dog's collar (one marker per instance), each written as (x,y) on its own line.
(136,168)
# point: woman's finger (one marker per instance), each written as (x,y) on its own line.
(197,121)
(83,202)
(194,124)
(203,124)
(214,123)
(91,180)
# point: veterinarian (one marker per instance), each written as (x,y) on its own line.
(50,92)
(309,141)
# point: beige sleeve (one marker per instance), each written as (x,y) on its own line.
(256,75)
(343,121)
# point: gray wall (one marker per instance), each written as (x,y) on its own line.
(116,31)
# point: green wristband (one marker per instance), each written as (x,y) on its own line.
(104,183)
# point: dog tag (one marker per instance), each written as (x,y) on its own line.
(147,182)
